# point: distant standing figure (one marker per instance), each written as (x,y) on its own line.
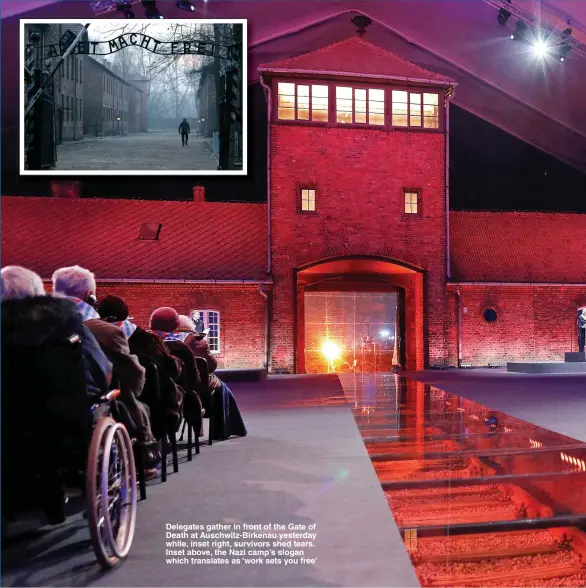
(184,130)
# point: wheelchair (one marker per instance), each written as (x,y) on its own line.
(66,445)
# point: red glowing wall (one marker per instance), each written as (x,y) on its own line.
(533,323)
(241,310)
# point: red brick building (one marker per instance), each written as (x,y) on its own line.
(355,257)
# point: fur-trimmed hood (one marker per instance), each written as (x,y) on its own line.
(37,320)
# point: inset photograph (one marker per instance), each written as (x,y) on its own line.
(133,97)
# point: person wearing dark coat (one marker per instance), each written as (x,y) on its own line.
(184,130)
(52,371)
(150,351)
(226,414)
(163,322)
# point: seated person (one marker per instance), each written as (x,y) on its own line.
(163,322)
(79,285)
(45,387)
(227,418)
(30,317)
(150,350)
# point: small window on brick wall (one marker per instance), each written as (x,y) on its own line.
(308,200)
(412,204)
(302,102)
(208,322)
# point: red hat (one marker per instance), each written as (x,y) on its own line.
(164,319)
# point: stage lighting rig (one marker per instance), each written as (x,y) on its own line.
(150,9)
(503,15)
(561,43)
(126,9)
(185,5)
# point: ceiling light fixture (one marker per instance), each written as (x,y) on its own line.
(151,10)
(503,15)
(185,5)
(520,31)
(565,45)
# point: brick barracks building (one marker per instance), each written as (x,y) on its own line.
(113,105)
(355,262)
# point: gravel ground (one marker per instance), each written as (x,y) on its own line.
(483,542)
(428,571)
(143,151)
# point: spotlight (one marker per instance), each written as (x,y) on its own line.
(330,350)
(520,31)
(541,47)
(151,10)
(565,46)
(503,15)
(185,5)
(385,334)
(126,9)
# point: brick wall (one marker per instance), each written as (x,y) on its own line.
(359,175)
(533,323)
(241,310)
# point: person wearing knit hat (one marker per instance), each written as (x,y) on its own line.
(114,309)
(163,323)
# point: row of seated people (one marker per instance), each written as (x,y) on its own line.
(155,369)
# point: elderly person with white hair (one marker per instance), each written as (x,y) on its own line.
(79,285)
(32,318)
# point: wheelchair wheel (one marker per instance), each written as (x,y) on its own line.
(111,492)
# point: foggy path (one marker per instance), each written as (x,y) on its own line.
(155,150)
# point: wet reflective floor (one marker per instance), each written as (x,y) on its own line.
(481,498)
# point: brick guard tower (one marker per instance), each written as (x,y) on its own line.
(357,208)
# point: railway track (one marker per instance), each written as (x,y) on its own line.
(417,469)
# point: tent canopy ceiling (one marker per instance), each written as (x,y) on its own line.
(541,102)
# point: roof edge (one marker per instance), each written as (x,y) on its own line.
(443,83)
(519,284)
(164,281)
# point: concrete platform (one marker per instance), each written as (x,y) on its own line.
(547,367)
(241,374)
(303,462)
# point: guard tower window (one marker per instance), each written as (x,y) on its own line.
(415,109)
(411,201)
(360,106)
(308,200)
(303,102)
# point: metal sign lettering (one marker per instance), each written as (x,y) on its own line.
(193,47)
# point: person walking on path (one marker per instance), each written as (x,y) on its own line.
(184,130)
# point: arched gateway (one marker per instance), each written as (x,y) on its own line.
(359,313)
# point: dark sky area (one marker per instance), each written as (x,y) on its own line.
(490,170)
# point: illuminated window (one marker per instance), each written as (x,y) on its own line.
(208,322)
(308,200)
(415,109)
(359,105)
(411,201)
(411,540)
(302,102)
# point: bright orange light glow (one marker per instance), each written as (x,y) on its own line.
(330,350)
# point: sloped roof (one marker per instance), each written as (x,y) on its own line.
(359,57)
(518,247)
(198,240)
